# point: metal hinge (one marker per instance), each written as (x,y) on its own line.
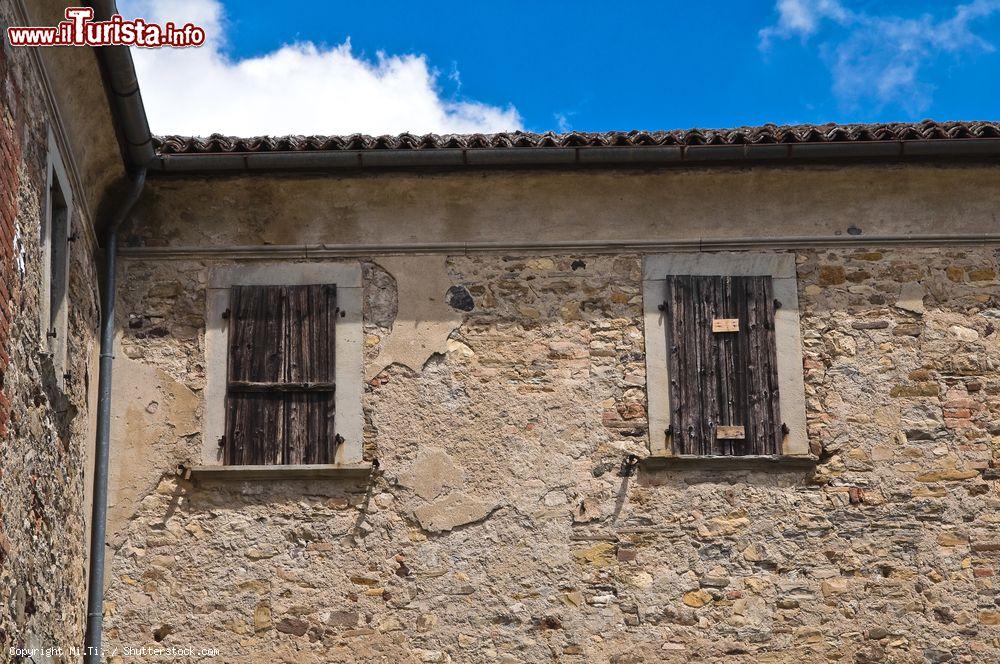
(225,314)
(629,464)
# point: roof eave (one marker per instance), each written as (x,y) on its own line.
(366,160)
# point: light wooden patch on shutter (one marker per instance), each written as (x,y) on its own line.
(723,432)
(725,325)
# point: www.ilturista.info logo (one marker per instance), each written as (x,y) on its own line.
(79,29)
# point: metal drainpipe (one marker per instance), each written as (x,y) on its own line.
(99,513)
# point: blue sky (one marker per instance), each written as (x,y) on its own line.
(389,66)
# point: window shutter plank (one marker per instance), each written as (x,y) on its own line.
(309,436)
(310,321)
(255,428)
(725,349)
(744,377)
(311,332)
(685,357)
(256,337)
(677,355)
(758,376)
(772,435)
(255,421)
(705,290)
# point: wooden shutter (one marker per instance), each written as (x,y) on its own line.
(280,391)
(722,380)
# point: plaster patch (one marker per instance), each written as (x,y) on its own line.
(911,298)
(423,320)
(144,444)
(431,473)
(454,510)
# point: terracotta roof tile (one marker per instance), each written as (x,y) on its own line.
(828,133)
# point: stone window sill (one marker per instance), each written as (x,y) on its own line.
(278,472)
(749,462)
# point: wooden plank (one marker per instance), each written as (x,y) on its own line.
(725,325)
(249,386)
(704,291)
(684,435)
(677,354)
(673,360)
(759,392)
(309,418)
(307,438)
(725,345)
(743,366)
(239,473)
(764,423)
(726,432)
(255,334)
(775,436)
(253,421)
(310,320)
(330,313)
(297,366)
(255,429)
(693,326)
(691,303)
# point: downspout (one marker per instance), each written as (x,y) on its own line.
(99,512)
(136,143)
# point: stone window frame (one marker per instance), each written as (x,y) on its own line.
(348,353)
(56,348)
(780,266)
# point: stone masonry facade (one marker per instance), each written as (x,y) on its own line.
(499,526)
(43,427)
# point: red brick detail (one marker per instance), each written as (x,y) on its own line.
(10,160)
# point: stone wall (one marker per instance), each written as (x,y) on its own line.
(44,431)
(499,527)
(11,132)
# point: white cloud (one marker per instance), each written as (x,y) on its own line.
(300,88)
(802,18)
(880,57)
(563,123)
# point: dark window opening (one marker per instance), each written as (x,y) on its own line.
(58,252)
(54,305)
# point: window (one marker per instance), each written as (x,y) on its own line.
(283,350)
(723,355)
(54,239)
(279,398)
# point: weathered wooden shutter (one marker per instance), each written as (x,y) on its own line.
(280,392)
(722,376)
